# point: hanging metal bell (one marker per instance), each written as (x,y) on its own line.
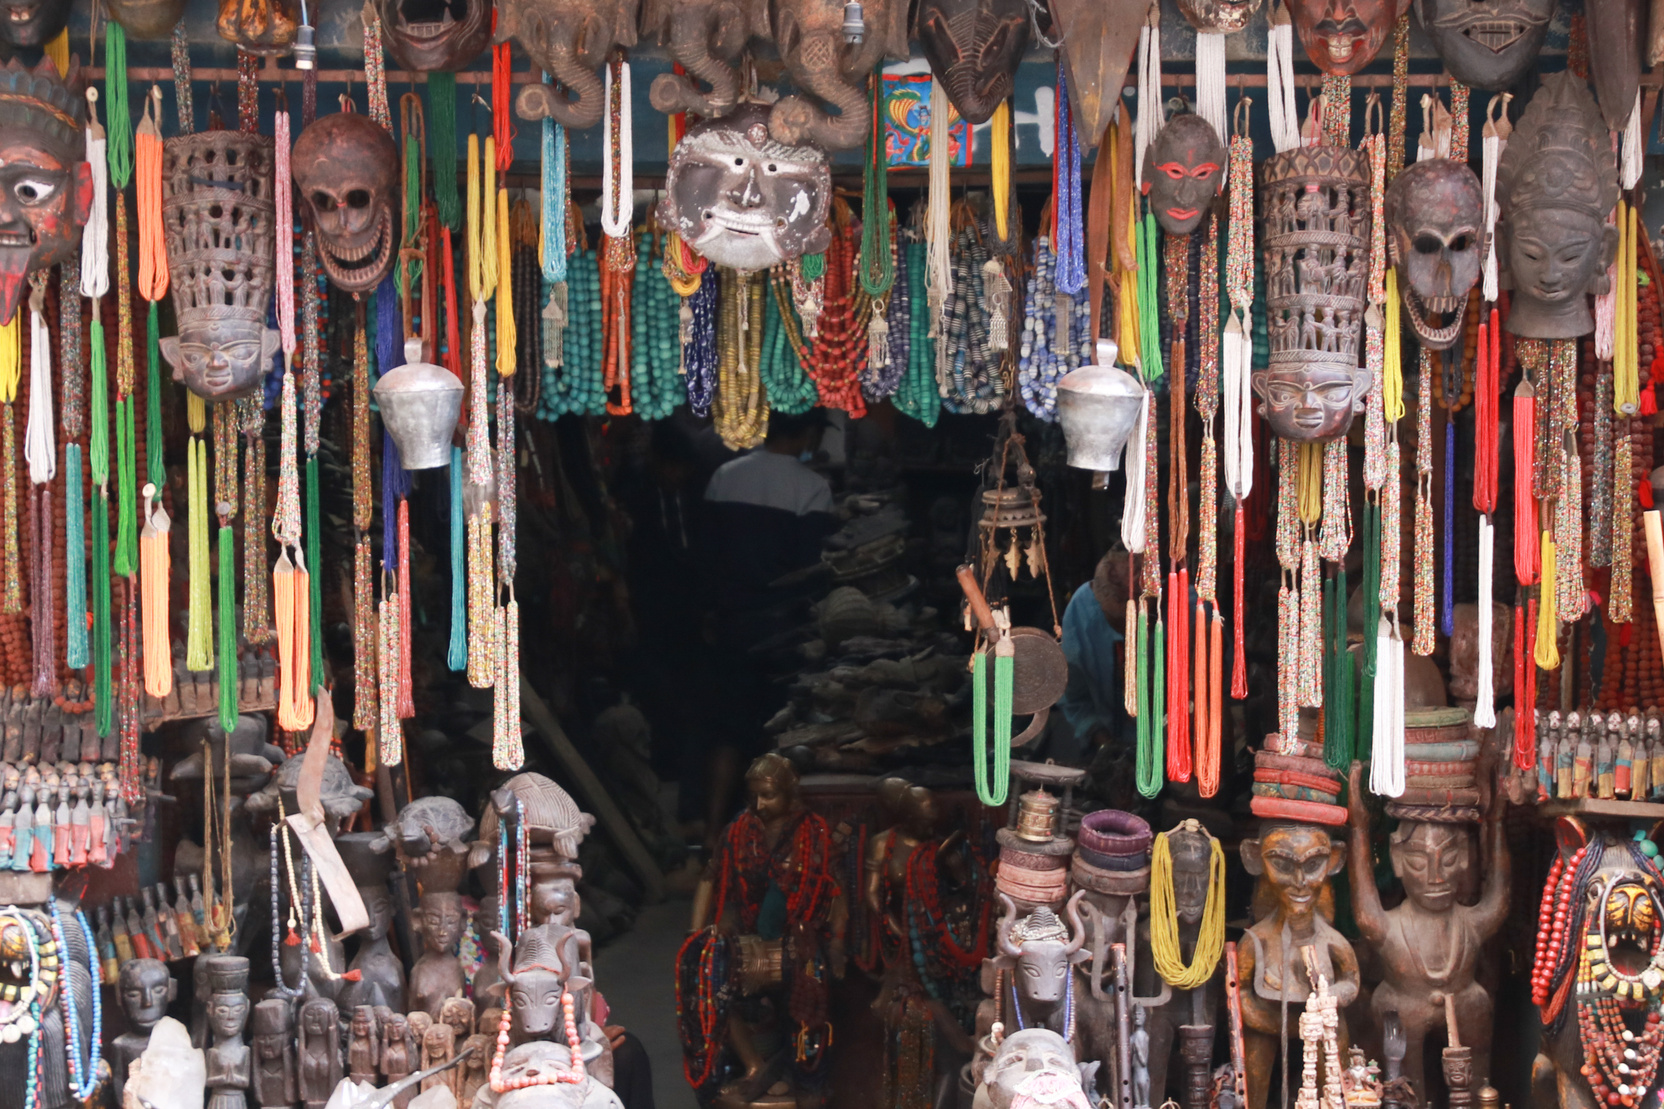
(1097,406)
(420,403)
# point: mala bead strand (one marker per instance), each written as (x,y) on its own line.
(787,387)
(840,350)
(741,408)
(917,395)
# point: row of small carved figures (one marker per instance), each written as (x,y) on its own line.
(1322,271)
(1328,330)
(125,931)
(65,815)
(1607,756)
(1331,208)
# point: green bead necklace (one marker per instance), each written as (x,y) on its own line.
(917,395)
(788,388)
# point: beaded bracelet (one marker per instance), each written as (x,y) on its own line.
(1112,832)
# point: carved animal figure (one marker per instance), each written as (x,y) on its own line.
(570,40)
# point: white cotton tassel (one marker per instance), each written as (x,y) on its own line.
(617,173)
(1386,760)
(1150,107)
(1210,82)
(1606,304)
(1497,129)
(1484,708)
(1238,355)
(1279,82)
(1132,510)
(40,446)
(95,236)
(1634,147)
(938,232)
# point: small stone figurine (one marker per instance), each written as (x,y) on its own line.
(320,1051)
(438,1048)
(229,1066)
(397,1058)
(275,1081)
(144,989)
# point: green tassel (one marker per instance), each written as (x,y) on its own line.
(457,656)
(1337,675)
(314,564)
(442,146)
(118,123)
(814,265)
(75,562)
(228,630)
(103,707)
(127,539)
(98,436)
(1364,734)
(156,470)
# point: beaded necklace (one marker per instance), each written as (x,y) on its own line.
(1238,357)
(1051,346)
(974,384)
(1179,747)
(699,347)
(84,1077)
(741,407)
(654,354)
(916,394)
(545,1076)
(1209,633)
(789,390)
(840,349)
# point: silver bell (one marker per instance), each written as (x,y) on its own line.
(1097,406)
(420,403)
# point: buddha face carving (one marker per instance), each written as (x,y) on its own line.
(429,35)
(345,172)
(219,357)
(31,24)
(146,19)
(1343,36)
(45,181)
(1435,237)
(1310,404)
(1184,169)
(973,47)
(1219,17)
(1556,182)
(741,199)
(1487,44)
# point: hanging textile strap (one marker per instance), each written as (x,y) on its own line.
(103,705)
(1066,203)
(95,236)
(1279,82)
(154,568)
(40,448)
(617,152)
(456,656)
(1150,106)
(199,644)
(227,623)
(1484,710)
(502,97)
(1493,139)
(1386,767)
(285,243)
(1210,80)
(1524,432)
(375,67)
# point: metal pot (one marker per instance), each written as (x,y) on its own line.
(1098,406)
(420,404)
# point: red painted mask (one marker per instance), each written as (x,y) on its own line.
(1184,169)
(45,181)
(1343,36)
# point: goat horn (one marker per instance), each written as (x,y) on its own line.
(1006,921)
(1077,935)
(505,956)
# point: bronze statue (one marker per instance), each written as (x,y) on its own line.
(145,988)
(569,40)
(437,975)
(1295,861)
(218,222)
(1343,36)
(1184,170)
(230,1070)
(45,180)
(1435,216)
(974,48)
(345,168)
(1555,185)
(1489,44)
(275,1081)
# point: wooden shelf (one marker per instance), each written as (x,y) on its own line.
(1610,810)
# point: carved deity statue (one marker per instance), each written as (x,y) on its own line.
(144,989)
(275,1081)
(230,1070)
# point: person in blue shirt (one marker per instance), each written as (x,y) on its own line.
(1093,703)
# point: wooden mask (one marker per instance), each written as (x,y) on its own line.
(45,181)
(346,173)
(1343,36)
(31,24)
(1184,170)
(146,19)
(1488,44)
(1315,204)
(217,191)
(1617,37)
(430,35)
(265,27)
(974,47)
(1219,17)
(1435,216)
(570,41)
(1556,183)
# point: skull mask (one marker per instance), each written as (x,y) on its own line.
(146,19)
(45,181)
(1487,44)
(741,199)
(1219,17)
(1184,169)
(31,24)
(1343,36)
(430,35)
(1435,215)
(973,47)
(344,168)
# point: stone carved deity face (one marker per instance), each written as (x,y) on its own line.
(1435,216)
(741,199)
(442,920)
(45,180)
(346,172)
(31,24)
(1432,861)
(974,47)
(429,35)
(221,357)
(227,1014)
(1343,36)
(1184,169)
(146,988)
(1556,257)
(1310,403)
(1488,44)
(1219,17)
(1296,860)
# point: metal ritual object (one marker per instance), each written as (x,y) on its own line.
(420,403)
(1098,406)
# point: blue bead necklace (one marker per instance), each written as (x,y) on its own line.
(699,352)
(85,1080)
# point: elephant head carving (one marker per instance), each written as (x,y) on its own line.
(706,37)
(825,69)
(569,40)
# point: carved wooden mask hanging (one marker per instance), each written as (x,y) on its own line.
(1219,17)
(31,24)
(974,47)
(346,173)
(430,35)
(1556,183)
(218,222)
(146,19)
(1488,44)
(1315,204)
(265,27)
(1184,170)
(829,71)
(741,199)
(1617,39)
(1343,36)
(569,40)
(45,181)
(1435,237)
(1099,37)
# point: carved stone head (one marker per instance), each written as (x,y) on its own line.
(1032,1068)
(146,988)
(741,199)
(1343,36)
(1555,185)
(31,24)
(1296,861)
(228,1002)
(974,47)
(1435,237)
(45,180)
(218,223)
(1219,17)
(536,984)
(346,173)
(145,19)
(429,35)
(1432,860)
(1487,44)
(1184,169)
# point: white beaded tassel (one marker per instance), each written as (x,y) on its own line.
(1484,707)
(617,174)
(95,236)
(1210,81)
(1150,107)
(1386,761)
(1497,130)
(1237,353)
(938,232)
(1132,509)
(1634,147)
(1279,82)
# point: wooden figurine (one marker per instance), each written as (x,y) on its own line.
(144,989)
(437,975)
(364,1046)
(230,1070)
(320,1051)
(275,1081)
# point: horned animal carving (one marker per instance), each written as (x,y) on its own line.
(1042,953)
(569,40)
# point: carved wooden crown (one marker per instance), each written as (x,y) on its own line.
(1559,155)
(218,218)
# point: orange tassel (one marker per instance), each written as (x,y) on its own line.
(153,596)
(1199,688)
(290,594)
(1208,753)
(301,706)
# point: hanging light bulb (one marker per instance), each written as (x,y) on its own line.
(306,50)
(855,24)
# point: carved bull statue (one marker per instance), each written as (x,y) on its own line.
(543,974)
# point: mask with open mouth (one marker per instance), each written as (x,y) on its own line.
(217,190)
(1435,230)
(1219,17)
(1316,207)
(741,199)
(1488,44)
(1184,169)
(1343,36)
(45,181)
(263,27)
(344,169)
(31,24)
(430,35)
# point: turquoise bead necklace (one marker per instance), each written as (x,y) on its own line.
(788,388)
(917,395)
(655,358)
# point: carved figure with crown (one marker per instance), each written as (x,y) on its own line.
(45,180)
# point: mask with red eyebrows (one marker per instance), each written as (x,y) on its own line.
(1184,169)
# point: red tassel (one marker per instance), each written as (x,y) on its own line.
(1239,654)
(291,940)
(1643,493)
(1649,401)
(1525,737)
(352,976)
